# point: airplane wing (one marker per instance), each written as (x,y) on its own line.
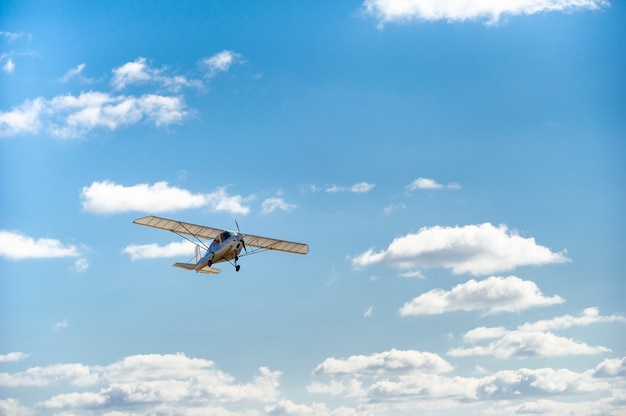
(179,227)
(274,244)
(209,233)
(191,266)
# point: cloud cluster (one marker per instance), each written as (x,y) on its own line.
(391,11)
(494,294)
(388,382)
(392,381)
(534,339)
(71,116)
(151,383)
(475,249)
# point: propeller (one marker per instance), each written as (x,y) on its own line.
(242,240)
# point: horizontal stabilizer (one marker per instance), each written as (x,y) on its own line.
(191,266)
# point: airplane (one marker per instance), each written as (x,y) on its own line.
(225,246)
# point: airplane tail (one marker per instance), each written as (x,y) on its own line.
(198,254)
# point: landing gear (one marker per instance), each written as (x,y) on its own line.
(237,267)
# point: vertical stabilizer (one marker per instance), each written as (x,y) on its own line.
(198,254)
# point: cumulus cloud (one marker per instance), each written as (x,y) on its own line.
(221,62)
(587,317)
(492,295)
(17,246)
(475,249)
(523,344)
(110,198)
(611,367)
(385,363)
(391,11)
(152,251)
(69,116)
(534,339)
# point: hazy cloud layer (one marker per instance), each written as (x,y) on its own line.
(475,249)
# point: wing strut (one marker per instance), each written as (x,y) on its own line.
(198,242)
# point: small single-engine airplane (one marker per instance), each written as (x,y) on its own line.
(224,246)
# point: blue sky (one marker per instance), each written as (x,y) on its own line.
(456,168)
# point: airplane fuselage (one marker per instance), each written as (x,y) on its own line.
(225,247)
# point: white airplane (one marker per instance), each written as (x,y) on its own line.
(225,245)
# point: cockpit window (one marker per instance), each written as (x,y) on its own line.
(225,235)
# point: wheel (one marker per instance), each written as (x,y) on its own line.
(210,263)
(237,267)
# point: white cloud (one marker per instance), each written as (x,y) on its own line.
(424,183)
(80,266)
(272,204)
(131,73)
(68,116)
(17,246)
(390,11)
(475,249)
(152,251)
(524,344)
(289,408)
(611,367)
(221,62)
(385,363)
(358,188)
(109,198)
(9,66)
(586,317)
(139,72)
(72,72)
(13,36)
(76,374)
(13,407)
(23,119)
(495,294)
(13,357)
(60,324)
(347,388)
(534,339)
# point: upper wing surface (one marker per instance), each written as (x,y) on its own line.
(274,244)
(179,227)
